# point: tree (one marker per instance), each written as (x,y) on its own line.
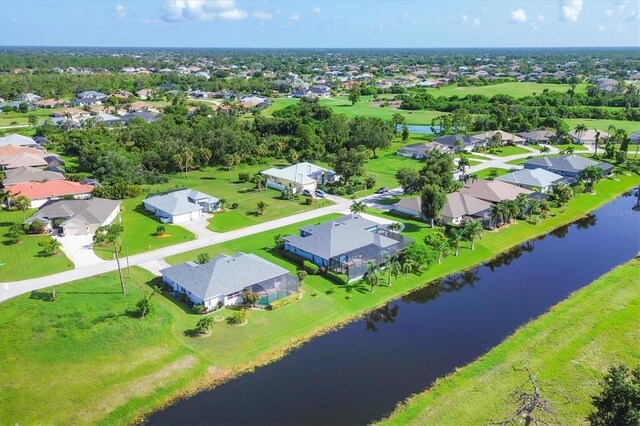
(349,162)
(410,180)
(250,297)
(261,207)
(596,143)
(50,247)
(456,235)
(33,120)
(144,305)
(498,213)
(22,203)
(562,193)
(405,133)
(160,230)
(397,119)
(472,229)
(545,149)
(354,95)
(438,170)
(372,276)
(204,325)
(619,401)
(394,227)
(407,266)
(392,266)
(569,150)
(278,240)
(421,256)
(580,129)
(591,175)
(357,208)
(433,200)
(463,163)
(108,234)
(15,233)
(231,161)
(370,132)
(438,242)
(203,258)
(6,197)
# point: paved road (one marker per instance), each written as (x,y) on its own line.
(16,288)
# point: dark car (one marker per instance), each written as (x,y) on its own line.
(382,190)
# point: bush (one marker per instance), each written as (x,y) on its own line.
(302,274)
(294,257)
(284,301)
(288,194)
(337,277)
(36,227)
(237,318)
(370,181)
(204,324)
(534,219)
(310,267)
(243,177)
(198,309)
(308,201)
(234,205)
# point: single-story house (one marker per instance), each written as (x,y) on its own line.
(29,174)
(459,142)
(588,137)
(535,179)
(492,191)
(312,92)
(77,217)
(410,207)
(568,165)
(49,103)
(13,156)
(538,137)
(635,138)
(149,118)
(460,205)
(221,281)
(422,150)
(16,139)
(29,97)
(298,177)
(506,137)
(346,245)
(41,192)
(181,206)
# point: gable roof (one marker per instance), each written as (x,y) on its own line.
(16,139)
(451,140)
(180,201)
(538,135)
(506,136)
(138,114)
(414,203)
(460,204)
(539,178)
(589,135)
(223,275)
(492,190)
(94,211)
(303,173)
(568,163)
(331,239)
(49,189)
(29,174)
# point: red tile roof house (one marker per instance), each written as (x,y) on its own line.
(40,192)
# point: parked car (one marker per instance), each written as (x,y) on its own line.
(307,193)
(320,193)
(382,190)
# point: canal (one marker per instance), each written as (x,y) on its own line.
(358,373)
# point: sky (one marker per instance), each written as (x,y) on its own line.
(312,24)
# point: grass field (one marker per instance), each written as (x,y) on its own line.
(22,260)
(139,229)
(515,89)
(570,348)
(603,125)
(491,172)
(6,118)
(506,151)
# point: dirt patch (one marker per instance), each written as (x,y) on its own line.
(164,236)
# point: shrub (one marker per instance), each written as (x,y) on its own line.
(288,194)
(310,267)
(370,181)
(250,297)
(198,309)
(243,177)
(294,257)
(204,324)
(36,227)
(308,201)
(203,258)
(331,291)
(234,205)
(302,274)
(337,277)
(237,318)
(534,219)
(287,300)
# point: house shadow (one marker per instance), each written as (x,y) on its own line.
(157,282)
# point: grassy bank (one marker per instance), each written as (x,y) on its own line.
(95,306)
(570,348)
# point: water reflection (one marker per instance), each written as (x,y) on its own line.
(505,259)
(560,232)
(586,222)
(386,314)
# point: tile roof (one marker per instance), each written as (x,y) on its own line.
(492,190)
(49,189)
(29,174)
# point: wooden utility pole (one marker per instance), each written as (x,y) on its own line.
(126,253)
(115,252)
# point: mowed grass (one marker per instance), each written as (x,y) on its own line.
(569,348)
(603,124)
(6,118)
(22,260)
(491,172)
(514,89)
(75,359)
(139,229)
(507,151)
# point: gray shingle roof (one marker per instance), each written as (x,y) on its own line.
(459,204)
(223,275)
(568,163)
(450,140)
(93,211)
(340,236)
(414,203)
(178,202)
(29,174)
(539,178)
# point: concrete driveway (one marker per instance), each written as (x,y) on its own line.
(79,248)
(199,226)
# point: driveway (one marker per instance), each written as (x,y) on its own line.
(199,226)
(79,248)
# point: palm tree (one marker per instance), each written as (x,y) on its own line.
(456,235)
(472,229)
(569,150)
(391,264)
(562,193)
(394,227)
(261,207)
(463,163)
(544,149)
(498,213)
(357,208)
(372,276)
(260,180)
(407,266)
(22,203)
(443,249)
(596,143)
(580,131)
(590,175)
(523,201)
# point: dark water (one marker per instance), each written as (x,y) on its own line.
(357,374)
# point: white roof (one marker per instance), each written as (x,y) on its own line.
(300,173)
(539,178)
(16,139)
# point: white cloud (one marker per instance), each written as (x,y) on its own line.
(540,18)
(233,14)
(518,15)
(295,17)
(316,10)
(608,13)
(476,23)
(464,18)
(263,15)
(121,12)
(570,10)
(175,11)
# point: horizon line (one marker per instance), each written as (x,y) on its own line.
(318,47)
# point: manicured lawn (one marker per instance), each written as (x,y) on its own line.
(506,151)
(129,366)
(22,260)
(515,89)
(387,163)
(603,125)
(6,118)
(139,229)
(491,172)
(569,348)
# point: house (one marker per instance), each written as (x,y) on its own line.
(149,118)
(312,92)
(298,177)
(588,137)
(89,97)
(49,103)
(106,119)
(13,156)
(16,139)
(40,192)
(568,165)
(460,205)
(535,179)
(181,206)
(221,281)
(507,137)
(492,191)
(142,106)
(76,217)
(410,207)
(29,174)
(73,113)
(29,97)
(144,94)
(459,142)
(538,136)
(422,150)
(345,245)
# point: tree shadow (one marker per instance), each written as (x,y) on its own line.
(132,314)
(6,224)
(45,296)
(208,178)
(191,333)
(156,282)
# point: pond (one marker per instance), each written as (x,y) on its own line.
(357,374)
(420,130)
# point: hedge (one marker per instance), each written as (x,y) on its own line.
(294,257)
(310,267)
(337,277)
(284,301)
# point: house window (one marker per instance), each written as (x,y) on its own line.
(233,295)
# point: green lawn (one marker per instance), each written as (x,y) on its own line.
(603,125)
(139,228)
(515,89)
(6,118)
(491,172)
(569,348)
(22,260)
(506,151)
(140,364)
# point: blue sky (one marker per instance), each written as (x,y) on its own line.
(264,23)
